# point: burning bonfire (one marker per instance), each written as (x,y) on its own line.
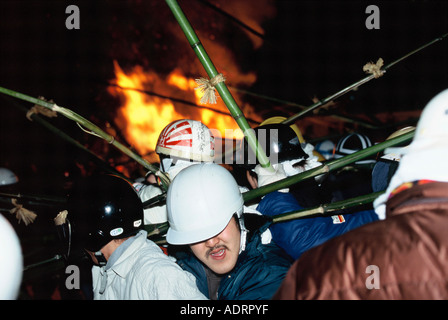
(147,107)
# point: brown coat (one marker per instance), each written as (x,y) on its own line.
(409,249)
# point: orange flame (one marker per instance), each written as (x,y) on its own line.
(143,116)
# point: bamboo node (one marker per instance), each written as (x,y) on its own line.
(37,109)
(207,87)
(22,214)
(374,68)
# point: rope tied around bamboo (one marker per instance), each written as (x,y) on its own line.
(374,68)
(207,87)
(22,213)
(37,109)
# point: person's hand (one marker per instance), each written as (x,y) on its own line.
(265,176)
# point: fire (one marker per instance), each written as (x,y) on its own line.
(143,116)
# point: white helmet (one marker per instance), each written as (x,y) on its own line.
(200,202)
(11,267)
(432,127)
(187,139)
(7,177)
(425,157)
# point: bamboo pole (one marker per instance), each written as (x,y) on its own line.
(40,263)
(159,230)
(95,130)
(33,197)
(156,200)
(188,103)
(224,92)
(294,104)
(95,158)
(340,93)
(327,167)
(325,209)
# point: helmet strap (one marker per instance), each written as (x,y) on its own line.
(243,230)
(102,261)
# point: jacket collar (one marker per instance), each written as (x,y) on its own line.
(123,252)
(419,193)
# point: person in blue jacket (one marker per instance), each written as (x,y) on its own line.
(287,158)
(226,248)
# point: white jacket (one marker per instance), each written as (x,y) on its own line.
(139,270)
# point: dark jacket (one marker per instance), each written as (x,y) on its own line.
(257,275)
(300,235)
(402,257)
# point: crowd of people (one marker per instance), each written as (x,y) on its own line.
(218,247)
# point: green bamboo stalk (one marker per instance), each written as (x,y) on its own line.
(327,167)
(338,94)
(156,200)
(95,130)
(188,103)
(224,92)
(95,158)
(294,104)
(160,230)
(33,197)
(325,209)
(38,264)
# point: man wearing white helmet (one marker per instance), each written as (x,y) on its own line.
(11,266)
(181,144)
(7,177)
(224,249)
(404,256)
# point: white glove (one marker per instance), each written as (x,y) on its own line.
(155,214)
(266,177)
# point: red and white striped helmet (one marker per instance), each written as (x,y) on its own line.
(187,139)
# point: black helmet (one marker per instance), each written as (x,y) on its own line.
(284,145)
(103,208)
(351,143)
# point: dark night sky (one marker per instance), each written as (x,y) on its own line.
(310,48)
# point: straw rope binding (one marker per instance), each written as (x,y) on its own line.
(374,68)
(207,87)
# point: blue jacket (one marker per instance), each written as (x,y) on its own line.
(297,236)
(258,273)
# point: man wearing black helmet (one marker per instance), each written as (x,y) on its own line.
(105,216)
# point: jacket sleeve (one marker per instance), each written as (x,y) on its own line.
(172,283)
(299,235)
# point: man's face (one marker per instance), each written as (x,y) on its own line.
(220,252)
